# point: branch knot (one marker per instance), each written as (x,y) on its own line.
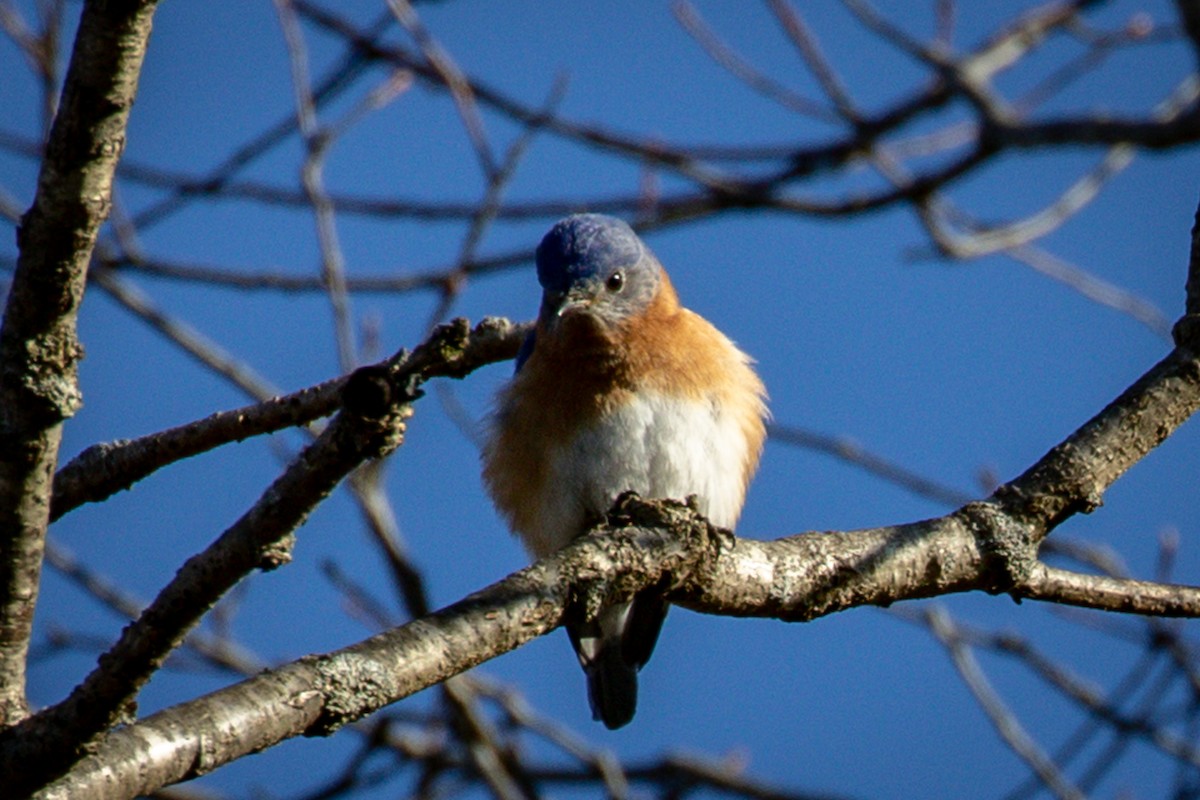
(1008,547)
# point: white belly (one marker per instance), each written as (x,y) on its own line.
(657,446)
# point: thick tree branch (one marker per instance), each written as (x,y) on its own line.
(1074,475)
(319,694)
(800,577)
(39,350)
(989,545)
(377,402)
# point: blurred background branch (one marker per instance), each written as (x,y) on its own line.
(961,105)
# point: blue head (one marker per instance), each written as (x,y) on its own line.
(595,265)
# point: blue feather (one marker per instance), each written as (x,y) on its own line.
(526,350)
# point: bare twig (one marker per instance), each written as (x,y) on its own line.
(1002,718)
(691,21)
(853,453)
(103,469)
(1094,288)
(339,78)
(191,341)
(218,651)
(810,51)
(316,144)
(1112,594)
(440,62)
(261,539)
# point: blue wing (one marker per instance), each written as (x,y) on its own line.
(525,351)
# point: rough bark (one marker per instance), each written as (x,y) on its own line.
(376,402)
(39,350)
(990,545)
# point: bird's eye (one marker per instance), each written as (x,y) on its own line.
(615,282)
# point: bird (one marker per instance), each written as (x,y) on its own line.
(618,388)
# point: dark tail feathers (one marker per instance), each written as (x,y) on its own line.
(612,688)
(612,648)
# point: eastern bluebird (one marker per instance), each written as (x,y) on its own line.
(618,388)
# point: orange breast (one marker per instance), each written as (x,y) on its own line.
(580,376)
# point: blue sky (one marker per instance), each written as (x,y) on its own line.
(947,368)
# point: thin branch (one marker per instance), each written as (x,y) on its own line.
(249,279)
(18,30)
(1111,594)
(1103,710)
(691,21)
(52,16)
(1098,557)
(1189,15)
(218,651)
(371,426)
(520,713)
(946,15)
(372,498)
(938,215)
(40,49)
(853,453)
(339,78)
(1100,721)
(1094,288)
(104,469)
(461,90)
(683,772)
(1154,697)
(317,142)
(979,241)
(818,64)
(503,776)
(485,214)
(1191,321)
(683,162)
(1139,30)
(204,350)
(1002,718)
